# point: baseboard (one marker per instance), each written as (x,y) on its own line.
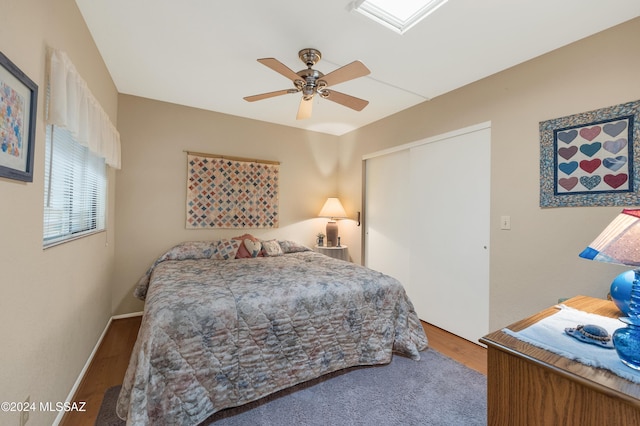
(87,364)
(131,315)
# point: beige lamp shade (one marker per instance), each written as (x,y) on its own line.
(333,210)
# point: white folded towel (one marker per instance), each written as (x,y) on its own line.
(549,334)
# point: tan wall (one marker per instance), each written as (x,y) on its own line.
(151,198)
(536,262)
(55,303)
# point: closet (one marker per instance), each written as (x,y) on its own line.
(426,218)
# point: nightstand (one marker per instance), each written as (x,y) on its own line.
(341,252)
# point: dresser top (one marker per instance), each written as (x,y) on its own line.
(596,378)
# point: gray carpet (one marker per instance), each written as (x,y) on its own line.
(434,391)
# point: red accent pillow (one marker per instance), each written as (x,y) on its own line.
(243,253)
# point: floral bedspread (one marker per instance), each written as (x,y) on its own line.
(221,333)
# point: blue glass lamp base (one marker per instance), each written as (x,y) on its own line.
(627,340)
(627,344)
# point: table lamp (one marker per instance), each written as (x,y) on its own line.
(333,210)
(620,243)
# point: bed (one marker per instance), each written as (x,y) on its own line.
(218,332)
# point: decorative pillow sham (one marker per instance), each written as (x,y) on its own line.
(248,250)
(271,248)
(226,249)
(253,247)
(292,247)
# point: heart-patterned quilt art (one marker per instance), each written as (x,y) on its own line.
(596,157)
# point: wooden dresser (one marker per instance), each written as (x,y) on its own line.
(531,386)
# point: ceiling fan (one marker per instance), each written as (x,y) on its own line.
(311,82)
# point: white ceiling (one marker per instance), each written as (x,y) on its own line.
(202,53)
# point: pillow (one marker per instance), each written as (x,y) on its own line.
(225,249)
(271,248)
(244,251)
(292,247)
(189,250)
(253,247)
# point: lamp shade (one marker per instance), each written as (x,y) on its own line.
(333,209)
(619,242)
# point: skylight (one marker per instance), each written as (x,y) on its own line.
(400,16)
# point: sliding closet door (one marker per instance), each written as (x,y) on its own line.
(450,236)
(388,199)
(427,224)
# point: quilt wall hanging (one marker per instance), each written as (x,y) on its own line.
(592,158)
(231,192)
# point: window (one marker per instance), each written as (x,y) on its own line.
(75,188)
(81,142)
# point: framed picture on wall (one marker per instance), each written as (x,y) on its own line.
(18,100)
(592,158)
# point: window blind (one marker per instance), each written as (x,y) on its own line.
(75,188)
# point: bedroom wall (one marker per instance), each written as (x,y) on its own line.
(54,303)
(536,262)
(152,183)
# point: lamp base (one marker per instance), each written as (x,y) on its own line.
(627,340)
(332,234)
(627,343)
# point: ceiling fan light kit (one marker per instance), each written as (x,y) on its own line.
(311,82)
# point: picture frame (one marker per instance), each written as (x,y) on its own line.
(591,158)
(18,108)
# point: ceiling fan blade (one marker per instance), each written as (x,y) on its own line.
(346,100)
(304,110)
(350,71)
(279,67)
(267,95)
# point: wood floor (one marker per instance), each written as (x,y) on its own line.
(110,363)
(106,370)
(467,353)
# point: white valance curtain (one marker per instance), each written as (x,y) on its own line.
(73,107)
